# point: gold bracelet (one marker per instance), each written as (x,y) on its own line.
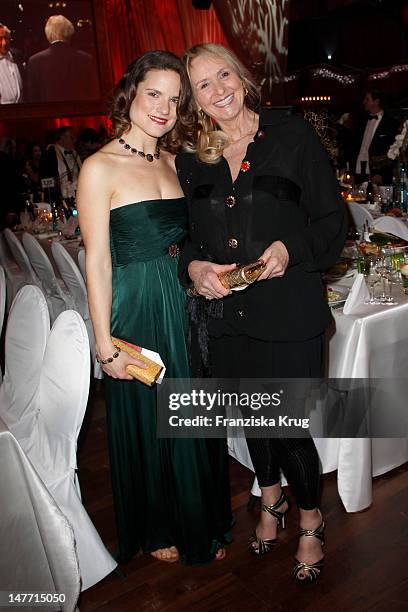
(108,359)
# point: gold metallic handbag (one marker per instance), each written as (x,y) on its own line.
(238,279)
(147,376)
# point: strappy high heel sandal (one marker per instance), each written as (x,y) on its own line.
(261,546)
(314,569)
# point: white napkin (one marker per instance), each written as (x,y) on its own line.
(358,294)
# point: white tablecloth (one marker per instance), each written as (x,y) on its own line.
(37,546)
(371,345)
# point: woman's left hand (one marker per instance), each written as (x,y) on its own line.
(276,258)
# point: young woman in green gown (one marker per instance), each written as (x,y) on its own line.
(171,496)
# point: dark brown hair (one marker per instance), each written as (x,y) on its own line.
(125,91)
(379,95)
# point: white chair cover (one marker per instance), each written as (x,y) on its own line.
(62,399)
(21,258)
(14,277)
(58,300)
(3,292)
(81,262)
(27,331)
(76,286)
(37,545)
(392,225)
(360,215)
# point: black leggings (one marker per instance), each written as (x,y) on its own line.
(245,357)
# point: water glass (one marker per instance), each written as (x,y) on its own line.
(363,264)
(385,270)
(372,279)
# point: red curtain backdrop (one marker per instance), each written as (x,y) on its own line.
(35,129)
(140,25)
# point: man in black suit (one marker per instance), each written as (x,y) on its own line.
(11,69)
(375,140)
(61,72)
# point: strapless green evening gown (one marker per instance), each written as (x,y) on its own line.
(167,492)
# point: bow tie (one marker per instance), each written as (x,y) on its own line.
(68,152)
(372,117)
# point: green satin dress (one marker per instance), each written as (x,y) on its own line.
(167,492)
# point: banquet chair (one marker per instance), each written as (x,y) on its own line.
(56,294)
(360,215)
(28,326)
(81,262)
(37,545)
(14,277)
(75,283)
(3,292)
(21,259)
(392,225)
(61,402)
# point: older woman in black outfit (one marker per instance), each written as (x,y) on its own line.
(261,186)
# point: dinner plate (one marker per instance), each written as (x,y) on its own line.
(342,269)
(339,298)
(330,278)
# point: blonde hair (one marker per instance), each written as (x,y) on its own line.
(58,27)
(6,29)
(209,143)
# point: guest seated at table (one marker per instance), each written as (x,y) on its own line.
(32,168)
(62,163)
(260,186)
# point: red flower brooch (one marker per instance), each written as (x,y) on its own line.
(245,166)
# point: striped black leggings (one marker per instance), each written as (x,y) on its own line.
(245,357)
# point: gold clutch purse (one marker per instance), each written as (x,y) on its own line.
(147,376)
(238,279)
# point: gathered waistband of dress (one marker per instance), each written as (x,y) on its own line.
(172,250)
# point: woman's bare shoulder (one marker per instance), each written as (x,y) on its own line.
(101,164)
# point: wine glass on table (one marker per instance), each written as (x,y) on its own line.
(372,280)
(385,270)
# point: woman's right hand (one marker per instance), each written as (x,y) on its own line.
(117,367)
(204,275)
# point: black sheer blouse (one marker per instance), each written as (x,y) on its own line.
(285,190)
